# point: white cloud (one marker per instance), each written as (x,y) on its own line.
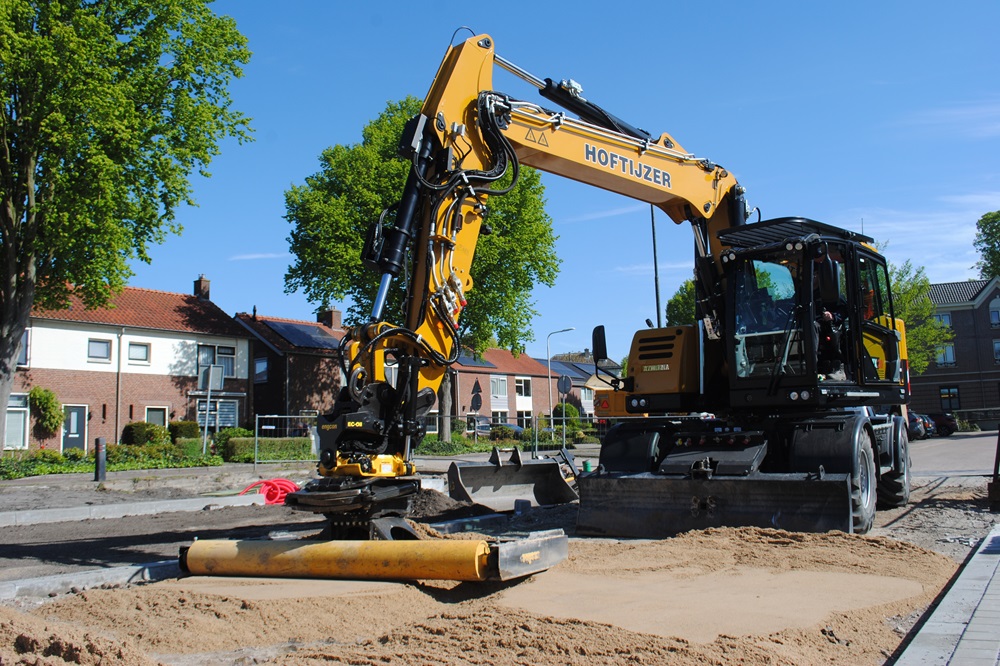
(260,255)
(604,214)
(979,120)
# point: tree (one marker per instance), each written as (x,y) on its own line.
(107,109)
(912,303)
(987,241)
(332,211)
(680,307)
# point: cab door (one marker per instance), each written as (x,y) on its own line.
(882,334)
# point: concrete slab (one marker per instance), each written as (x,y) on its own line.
(61,584)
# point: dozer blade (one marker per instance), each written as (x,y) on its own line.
(653,506)
(498,484)
(461,560)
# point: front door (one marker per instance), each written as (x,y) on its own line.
(75,427)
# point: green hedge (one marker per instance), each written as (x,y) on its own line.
(120,457)
(240,449)
(140,432)
(183,430)
(191,446)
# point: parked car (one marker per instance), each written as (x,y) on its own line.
(915,429)
(946,424)
(929,427)
(487,428)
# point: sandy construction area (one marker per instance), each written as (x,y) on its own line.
(720,596)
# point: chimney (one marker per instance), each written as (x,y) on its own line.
(329,317)
(201,287)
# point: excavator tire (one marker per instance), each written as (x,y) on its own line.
(864,482)
(894,486)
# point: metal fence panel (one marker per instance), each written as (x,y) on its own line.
(275,426)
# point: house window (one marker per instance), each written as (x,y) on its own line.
(217,355)
(157,415)
(22,358)
(221,414)
(99,350)
(524,419)
(586,393)
(995,313)
(996,351)
(522,386)
(949,398)
(138,352)
(17,422)
(500,417)
(498,387)
(946,355)
(431,422)
(259,370)
(943,318)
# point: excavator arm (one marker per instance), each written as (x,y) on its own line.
(466,141)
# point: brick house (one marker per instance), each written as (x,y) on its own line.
(139,359)
(512,389)
(295,369)
(964,379)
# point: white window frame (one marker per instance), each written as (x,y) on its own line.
(99,359)
(431,422)
(18,406)
(525,418)
(227,373)
(946,355)
(140,345)
(166,414)
(496,383)
(943,318)
(500,416)
(586,393)
(522,386)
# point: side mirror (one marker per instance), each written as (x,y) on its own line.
(599,344)
(829,281)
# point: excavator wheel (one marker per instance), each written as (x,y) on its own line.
(894,486)
(864,480)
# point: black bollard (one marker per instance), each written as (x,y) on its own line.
(100,459)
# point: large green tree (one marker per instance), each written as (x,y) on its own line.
(331,213)
(925,335)
(680,307)
(987,242)
(108,107)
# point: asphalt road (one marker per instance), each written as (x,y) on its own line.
(961,454)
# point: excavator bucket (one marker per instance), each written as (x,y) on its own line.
(499,484)
(652,506)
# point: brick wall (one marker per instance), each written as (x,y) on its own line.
(97,390)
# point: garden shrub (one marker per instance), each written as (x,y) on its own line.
(184,430)
(47,410)
(190,446)
(140,432)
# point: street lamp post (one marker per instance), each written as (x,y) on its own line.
(548,356)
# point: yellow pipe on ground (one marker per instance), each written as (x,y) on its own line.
(372,560)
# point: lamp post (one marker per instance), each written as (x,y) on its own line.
(548,356)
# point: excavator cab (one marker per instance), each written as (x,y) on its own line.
(811,313)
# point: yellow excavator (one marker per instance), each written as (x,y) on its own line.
(795,351)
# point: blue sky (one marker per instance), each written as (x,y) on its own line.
(882,117)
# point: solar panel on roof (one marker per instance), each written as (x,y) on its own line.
(304,335)
(470,361)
